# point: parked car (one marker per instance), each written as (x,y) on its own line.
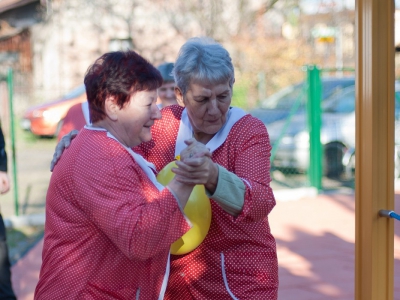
(397,161)
(396,147)
(349,158)
(279,105)
(46,119)
(337,135)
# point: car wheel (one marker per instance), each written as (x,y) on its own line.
(333,166)
(397,166)
(350,168)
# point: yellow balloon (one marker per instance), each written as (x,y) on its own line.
(197,209)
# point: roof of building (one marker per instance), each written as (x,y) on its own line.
(6,5)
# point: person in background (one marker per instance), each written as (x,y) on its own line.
(109,223)
(6,290)
(237,259)
(166,92)
(78,115)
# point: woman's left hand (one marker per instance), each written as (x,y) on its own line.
(193,150)
(196,167)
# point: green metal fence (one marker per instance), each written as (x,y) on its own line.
(314,126)
(307,146)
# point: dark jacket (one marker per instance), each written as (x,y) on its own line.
(3,154)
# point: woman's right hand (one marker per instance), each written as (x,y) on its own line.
(196,166)
(194,149)
(62,144)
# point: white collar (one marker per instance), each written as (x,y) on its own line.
(85,110)
(186,131)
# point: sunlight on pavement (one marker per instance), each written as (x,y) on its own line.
(328,289)
(296,264)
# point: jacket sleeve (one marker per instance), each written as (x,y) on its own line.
(140,221)
(3,154)
(229,193)
(252,165)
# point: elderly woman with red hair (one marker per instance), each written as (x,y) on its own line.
(109,223)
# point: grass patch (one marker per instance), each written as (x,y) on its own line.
(20,240)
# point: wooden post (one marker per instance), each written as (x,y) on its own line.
(375,149)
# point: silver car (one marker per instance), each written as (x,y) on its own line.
(290,137)
(292,99)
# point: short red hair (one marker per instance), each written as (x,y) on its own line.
(119,74)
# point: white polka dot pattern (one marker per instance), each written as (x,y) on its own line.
(108,229)
(246,242)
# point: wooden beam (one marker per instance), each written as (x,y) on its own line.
(375,149)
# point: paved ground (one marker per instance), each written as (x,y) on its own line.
(314,233)
(315,240)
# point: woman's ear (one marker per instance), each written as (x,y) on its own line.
(179,96)
(111,108)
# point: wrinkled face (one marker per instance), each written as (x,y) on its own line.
(207,106)
(136,118)
(166,94)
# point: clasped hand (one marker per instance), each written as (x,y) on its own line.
(195,165)
(4,182)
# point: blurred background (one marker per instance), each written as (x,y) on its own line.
(46,47)
(287,54)
(50,44)
(275,45)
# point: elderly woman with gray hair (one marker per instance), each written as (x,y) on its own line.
(237,259)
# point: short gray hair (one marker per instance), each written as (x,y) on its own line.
(203,59)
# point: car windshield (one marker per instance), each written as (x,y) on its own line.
(344,102)
(287,97)
(341,102)
(75,92)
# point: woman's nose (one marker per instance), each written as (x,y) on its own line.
(212,107)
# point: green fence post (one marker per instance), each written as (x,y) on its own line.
(12,128)
(314,125)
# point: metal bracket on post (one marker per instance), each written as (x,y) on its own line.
(389,214)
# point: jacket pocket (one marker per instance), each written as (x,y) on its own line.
(250,274)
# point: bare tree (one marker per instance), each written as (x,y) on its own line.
(251,30)
(242,26)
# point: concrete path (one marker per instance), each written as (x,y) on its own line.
(25,273)
(315,240)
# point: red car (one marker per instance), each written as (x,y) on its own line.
(46,119)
